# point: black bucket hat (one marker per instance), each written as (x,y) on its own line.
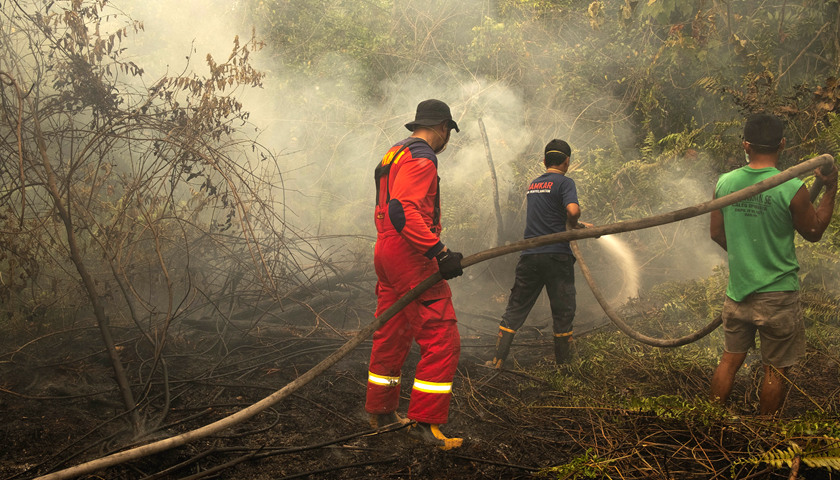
(431,112)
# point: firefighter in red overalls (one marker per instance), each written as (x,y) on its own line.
(408,250)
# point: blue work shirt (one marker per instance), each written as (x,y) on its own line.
(548,195)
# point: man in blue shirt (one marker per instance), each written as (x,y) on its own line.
(552,205)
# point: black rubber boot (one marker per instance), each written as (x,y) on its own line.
(502,347)
(385,419)
(562,349)
(430,434)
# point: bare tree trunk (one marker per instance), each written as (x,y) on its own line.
(87,280)
(500,228)
(837,40)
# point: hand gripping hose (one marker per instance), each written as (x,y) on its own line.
(248,412)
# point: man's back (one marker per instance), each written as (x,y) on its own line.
(548,196)
(762,296)
(759,235)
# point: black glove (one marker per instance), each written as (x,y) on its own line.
(449,263)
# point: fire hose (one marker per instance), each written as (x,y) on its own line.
(801,169)
(625,328)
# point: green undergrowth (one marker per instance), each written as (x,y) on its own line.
(813,440)
(610,365)
(631,388)
(588,465)
(817,452)
(769,445)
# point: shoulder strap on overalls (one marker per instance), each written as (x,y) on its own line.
(384,170)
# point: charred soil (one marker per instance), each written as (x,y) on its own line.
(626,412)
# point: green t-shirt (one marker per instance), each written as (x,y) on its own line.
(759,234)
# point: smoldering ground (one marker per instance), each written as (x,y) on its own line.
(325,127)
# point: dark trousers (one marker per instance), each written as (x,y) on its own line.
(555,272)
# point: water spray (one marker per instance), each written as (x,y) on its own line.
(624,257)
(625,328)
(802,169)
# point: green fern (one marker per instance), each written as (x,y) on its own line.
(675,407)
(778,458)
(829,135)
(648,147)
(588,465)
(821,306)
(821,452)
(811,425)
(711,84)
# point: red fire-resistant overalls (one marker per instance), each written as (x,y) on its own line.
(408,225)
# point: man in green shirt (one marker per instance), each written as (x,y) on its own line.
(763,291)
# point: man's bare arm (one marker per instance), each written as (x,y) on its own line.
(572,216)
(716,228)
(812,222)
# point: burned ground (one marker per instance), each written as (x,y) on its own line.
(620,410)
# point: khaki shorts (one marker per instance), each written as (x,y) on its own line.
(777,316)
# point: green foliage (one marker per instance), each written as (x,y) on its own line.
(685,301)
(494,44)
(668,11)
(673,407)
(527,9)
(588,465)
(818,452)
(305,31)
(654,92)
(658,396)
(632,370)
(819,306)
(811,424)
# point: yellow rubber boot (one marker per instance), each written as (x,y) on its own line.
(430,434)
